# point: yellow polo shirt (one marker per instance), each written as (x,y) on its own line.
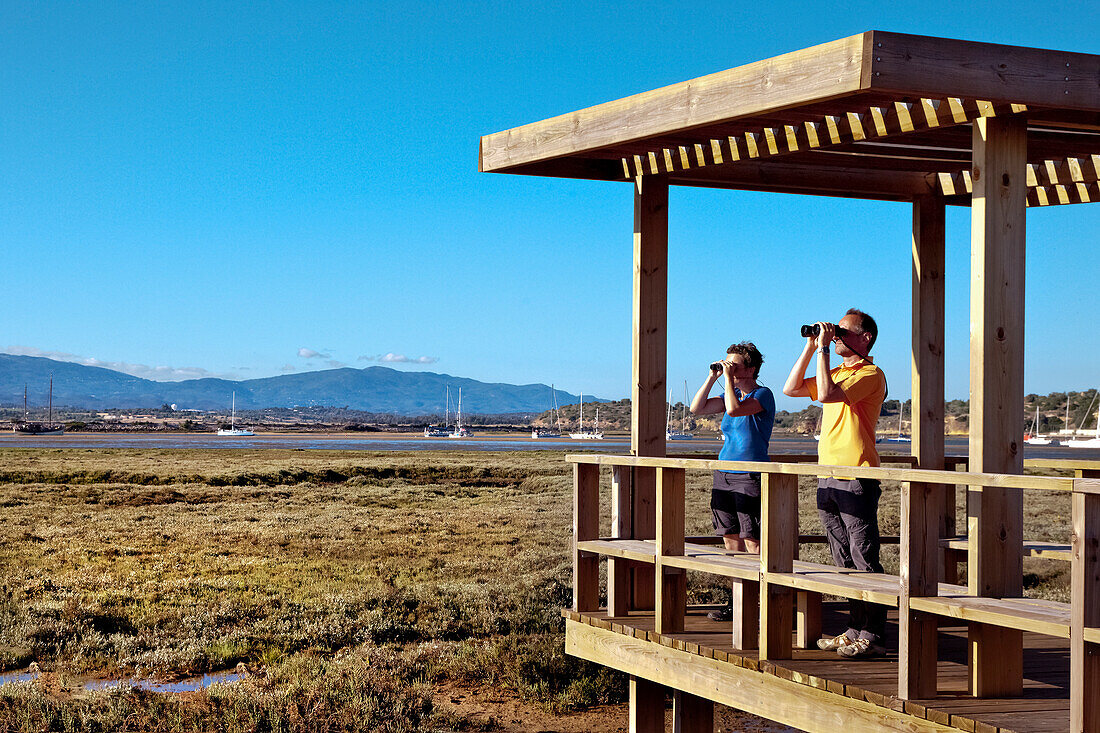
(848,426)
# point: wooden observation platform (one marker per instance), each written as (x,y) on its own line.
(927,121)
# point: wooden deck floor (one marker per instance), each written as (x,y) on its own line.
(1044,705)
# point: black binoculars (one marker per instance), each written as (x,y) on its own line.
(815,330)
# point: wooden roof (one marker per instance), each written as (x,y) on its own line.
(877,115)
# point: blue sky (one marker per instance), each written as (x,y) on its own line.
(242,190)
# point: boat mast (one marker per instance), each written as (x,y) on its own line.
(25,402)
(51,401)
(233,413)
(683,410)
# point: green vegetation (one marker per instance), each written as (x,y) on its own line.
(358,580)
(361,582)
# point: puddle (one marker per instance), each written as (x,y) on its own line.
(9,677)
(190,684)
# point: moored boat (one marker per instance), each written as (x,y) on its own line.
(234,431)
(26,427)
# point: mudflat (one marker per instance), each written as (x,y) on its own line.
(390,591)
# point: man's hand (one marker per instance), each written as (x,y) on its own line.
(825,338)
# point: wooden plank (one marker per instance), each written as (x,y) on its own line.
(848,129)
(730,566)
(649,346)
(1006,613)
(644,513)
(778,542)
(923,504)
(691,713)
(807,619)
(996,381)
(998,480)
(1061,464)
(671,590)
(940,67)
(633,550)
(647,706)
(1074,193)
(1031,548)
(812,74)
(788,702)
(870,587)
(586,526)
(650,319)
(1037,194)
(745,603)
(618,570)
(1085,613)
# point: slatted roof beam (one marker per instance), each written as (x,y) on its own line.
(1050,183)
(874,123)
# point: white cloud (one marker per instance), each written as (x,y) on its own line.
(311,354)
(336,364)
(155,373)
(392,358)
(288,368)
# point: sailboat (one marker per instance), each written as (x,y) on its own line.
(683,434)
(537,433)
(1093,442)
(1033,437)
(234,431)
(900,437)
(460,431)
(36,428)
(429,431)
(582,433)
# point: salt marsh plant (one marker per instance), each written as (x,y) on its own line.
(355,582)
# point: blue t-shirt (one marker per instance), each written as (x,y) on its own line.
(746,437)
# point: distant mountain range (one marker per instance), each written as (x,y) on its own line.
(373,389)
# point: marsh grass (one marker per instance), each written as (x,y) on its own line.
(358,580)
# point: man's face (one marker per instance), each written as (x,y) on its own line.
(855,336)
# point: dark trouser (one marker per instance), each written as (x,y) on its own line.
(849,513)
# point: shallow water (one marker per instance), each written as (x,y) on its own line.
(955,445)
(190,684)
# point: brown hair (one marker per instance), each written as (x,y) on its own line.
(752,356)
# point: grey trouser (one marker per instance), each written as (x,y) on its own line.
(849,512)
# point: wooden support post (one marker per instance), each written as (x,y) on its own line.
(995,567)
(671,590)
(779,530)
(808,620)
(647,706)
(649,348)
(923,505)
(618,569)
(691,713)
(1084,664)
(745,604)
(920,556)
(949,568)
(586,526)
(643,512)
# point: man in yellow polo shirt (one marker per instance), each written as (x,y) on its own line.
(851,396)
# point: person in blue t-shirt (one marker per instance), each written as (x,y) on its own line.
(746,430)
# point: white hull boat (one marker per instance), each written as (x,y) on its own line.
(234,431)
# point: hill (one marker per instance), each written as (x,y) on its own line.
(373,389)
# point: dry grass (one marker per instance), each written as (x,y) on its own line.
(358,579)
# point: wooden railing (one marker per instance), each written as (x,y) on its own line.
(766,587)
